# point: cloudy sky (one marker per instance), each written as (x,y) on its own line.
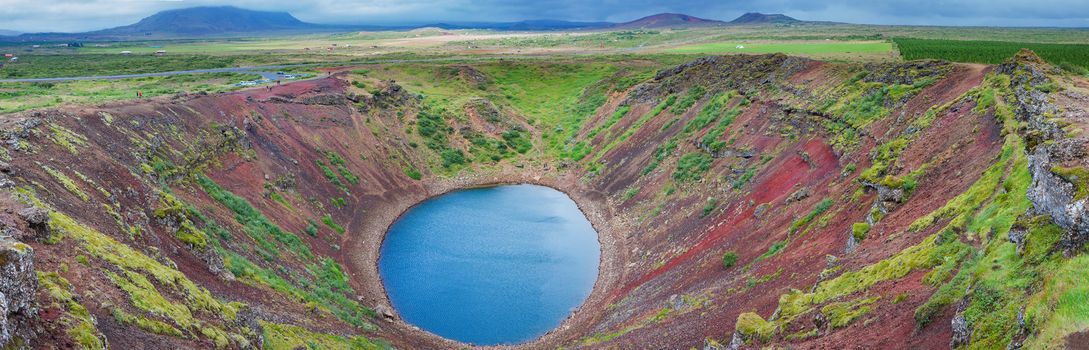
(82,15)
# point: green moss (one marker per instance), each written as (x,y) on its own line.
(173,209)
(795,303)
(67,182)
(1078,176)
(859,230)
(802,335)
(289,337)
(131,263)
(66,138)
(961,207)
(749,324)
(756,281)
(153,326)
(841,314)
(78,322)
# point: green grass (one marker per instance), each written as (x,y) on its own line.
(819,209)
(255,224)
(773,250)
(790,48)
(22,96)
(991,52)
(694,94)
(690,167)
(328,220)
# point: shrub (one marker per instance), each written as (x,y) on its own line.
(452,156)
(712,203)
(729,259)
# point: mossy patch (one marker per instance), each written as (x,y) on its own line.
(79,323)
(280,336)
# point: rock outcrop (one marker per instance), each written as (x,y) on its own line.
(1056,196)
(18,286)
(1049,149)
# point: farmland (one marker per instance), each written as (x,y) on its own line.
(1072,57)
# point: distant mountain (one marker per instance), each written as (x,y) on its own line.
(8,32)
(669,20)
(761,18)
(197,21)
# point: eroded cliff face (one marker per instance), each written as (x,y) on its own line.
(741,201)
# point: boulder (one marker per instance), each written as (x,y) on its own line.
(37,221)
(961,332)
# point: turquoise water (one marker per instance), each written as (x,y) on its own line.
(491,265)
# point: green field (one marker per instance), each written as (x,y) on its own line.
(807,47)
(1072,57)
(16,97)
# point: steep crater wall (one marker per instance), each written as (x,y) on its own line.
(741,201)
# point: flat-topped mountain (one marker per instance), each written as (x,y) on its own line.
(211,21)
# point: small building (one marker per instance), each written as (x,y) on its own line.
(740,46)
(126,52)
(14,59)
(160,52)
(9,55)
